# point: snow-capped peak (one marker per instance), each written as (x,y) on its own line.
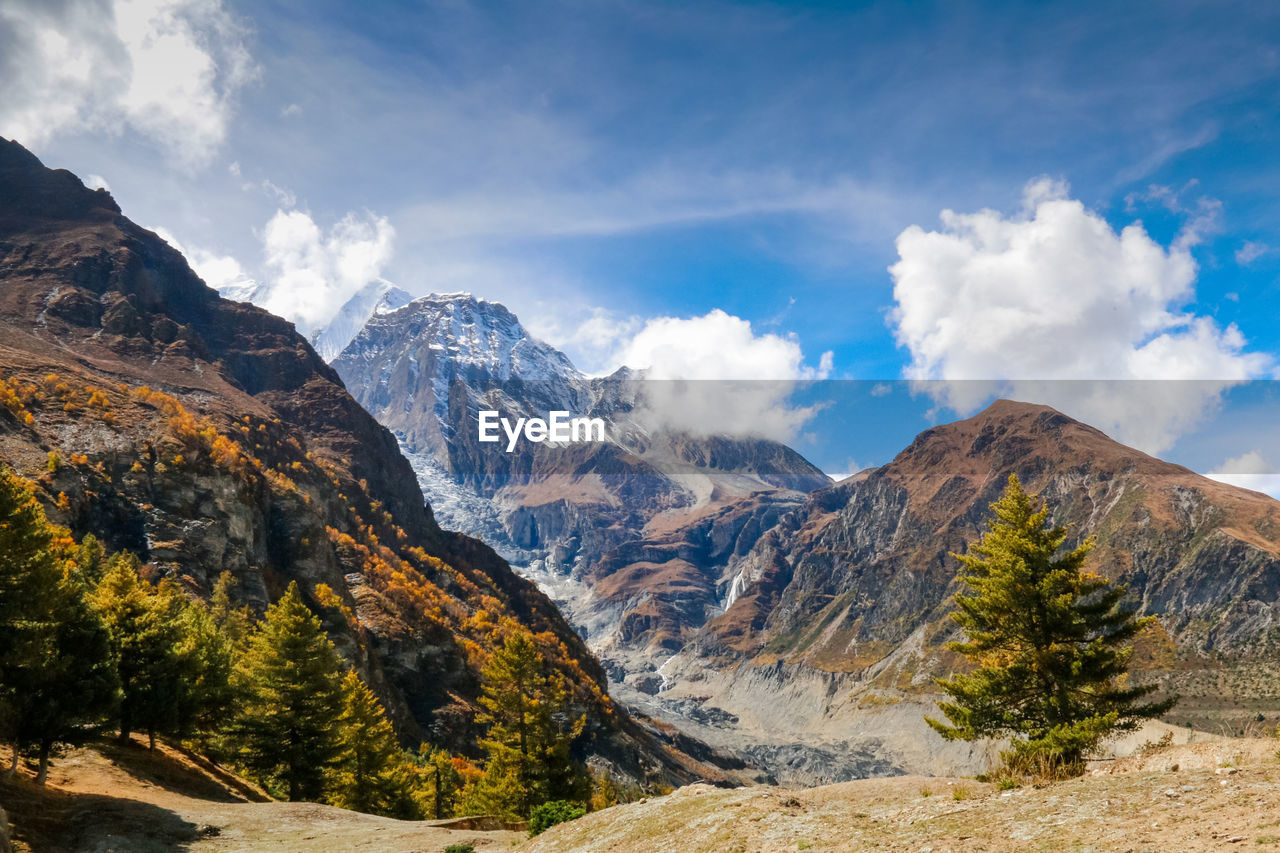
(375,298)
(468,333)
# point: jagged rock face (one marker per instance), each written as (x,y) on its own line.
(868,561)
(628,533)
(207,435)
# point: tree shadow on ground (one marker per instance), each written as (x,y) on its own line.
(52,821)
(193,776)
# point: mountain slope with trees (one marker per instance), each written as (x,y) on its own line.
(206,436)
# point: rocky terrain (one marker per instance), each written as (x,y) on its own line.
(631,535)
(207,435)
(1213,796)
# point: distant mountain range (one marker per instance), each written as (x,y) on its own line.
(729,587)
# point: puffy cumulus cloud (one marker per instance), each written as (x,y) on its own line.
(713,375)
(1016,304)
(169,70)
(312,273)
(716,345)
(1250,471)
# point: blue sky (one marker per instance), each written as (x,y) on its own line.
(600,165)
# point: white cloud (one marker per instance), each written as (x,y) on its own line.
(97,182)
(168,70)
(847,470)
(1249,471)
(1054,293)
(713,375)
(716,345)
(589,335)
(291,111)
(280,194)
(1250,252)
(312,273)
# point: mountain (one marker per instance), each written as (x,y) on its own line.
(822,667)
(376,297)
(630,534)
(207,435)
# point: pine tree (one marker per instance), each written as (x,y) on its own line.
(526,746)
(28,572)
(90,556)
(76,686)
(1050,641)
(207,660)
(56,678)
(445,781)
(372,773)
(146,628)
(291,679)
(235,623)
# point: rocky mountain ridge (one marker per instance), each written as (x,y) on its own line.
(829,652)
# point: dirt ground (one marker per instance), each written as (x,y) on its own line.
(1219,795)
(127,800)
(1223,795)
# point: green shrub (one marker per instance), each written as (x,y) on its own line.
(460,848)
(549,814)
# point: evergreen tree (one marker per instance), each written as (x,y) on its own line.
(291,680)
(28,573)
(207,660)
(76,685)
(89,556)
(236,623)
(146,628)
(372,773)
(446,782)
(1050,641)
(528,740)
(56,678)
